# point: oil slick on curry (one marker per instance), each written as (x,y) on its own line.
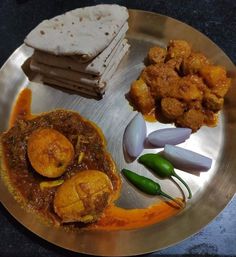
(56,164)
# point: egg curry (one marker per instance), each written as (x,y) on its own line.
(57,164)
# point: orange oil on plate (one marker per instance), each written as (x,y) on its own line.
(150,117)
(116,218)
(22,107)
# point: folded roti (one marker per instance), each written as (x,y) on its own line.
(85,32)
(82,88)
(79,77)
(79,89)
(96,66)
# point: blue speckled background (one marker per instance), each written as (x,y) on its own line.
(215,18)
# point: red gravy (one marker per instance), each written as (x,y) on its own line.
(26,181)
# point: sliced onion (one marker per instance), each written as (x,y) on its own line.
(186,160)
(135,135)
(172,136)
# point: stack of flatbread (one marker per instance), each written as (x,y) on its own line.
(80,49)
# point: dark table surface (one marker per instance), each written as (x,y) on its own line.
(215,18)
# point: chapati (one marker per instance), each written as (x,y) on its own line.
(79,77)
(82,88)
(96,66)
(84,32)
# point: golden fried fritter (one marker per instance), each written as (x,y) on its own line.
(156,54)
(140,95)
(191,119)
(194,63)
(172,108)
(49,152)
(178,49)
(83,197)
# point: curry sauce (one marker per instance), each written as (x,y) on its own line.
(86,138)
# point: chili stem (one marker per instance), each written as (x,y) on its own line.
(169,197)
(180,179)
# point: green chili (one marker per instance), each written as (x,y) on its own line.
(162,167)
(146,185)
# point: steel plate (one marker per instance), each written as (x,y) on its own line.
(212,190)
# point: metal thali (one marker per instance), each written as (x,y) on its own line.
(212,190)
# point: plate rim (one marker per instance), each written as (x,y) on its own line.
(144,252)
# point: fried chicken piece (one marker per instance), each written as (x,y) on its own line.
(194,63)
(141,97)
(188,89)
(212,102)
(178,49)
(193,119)
(160,79)
(156,54)
(171,108)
